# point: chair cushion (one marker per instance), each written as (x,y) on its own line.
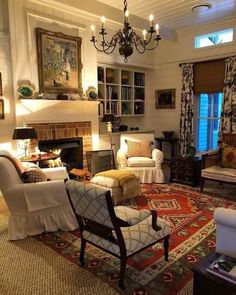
(220,173)
(140,162)
(136,237)
(130,215)
(139,149)
(33,174)
(228,156)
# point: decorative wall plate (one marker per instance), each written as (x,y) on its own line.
(91,93)
(191,151)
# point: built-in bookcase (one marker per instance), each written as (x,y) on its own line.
(121,91)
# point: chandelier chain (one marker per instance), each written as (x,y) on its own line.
(125,5)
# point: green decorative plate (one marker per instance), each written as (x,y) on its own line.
(91,93)
(191,151)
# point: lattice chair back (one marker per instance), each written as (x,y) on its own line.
(89,202)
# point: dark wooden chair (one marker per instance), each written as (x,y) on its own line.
(211,164)
(120,230)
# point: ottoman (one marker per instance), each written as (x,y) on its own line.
(122,184)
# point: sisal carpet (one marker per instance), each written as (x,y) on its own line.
(28,267)
(49,263)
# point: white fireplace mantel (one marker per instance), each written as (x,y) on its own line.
(51,111)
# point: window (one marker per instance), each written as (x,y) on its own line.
(214,38)
(209,111)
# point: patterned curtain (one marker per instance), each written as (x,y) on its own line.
(228,115)
(186,115)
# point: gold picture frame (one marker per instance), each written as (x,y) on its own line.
(165,99)
(2,113)
(59,62)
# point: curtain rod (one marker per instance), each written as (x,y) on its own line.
(203,61)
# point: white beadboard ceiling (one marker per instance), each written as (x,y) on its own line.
(177,14)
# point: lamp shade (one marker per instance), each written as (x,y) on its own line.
(24,133)
(108,118)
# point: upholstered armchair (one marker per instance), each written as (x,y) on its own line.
(225,220)
(220,165)
(120,230)
(134,155)
(34,207)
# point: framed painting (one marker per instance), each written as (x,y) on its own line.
(59,62)
(1,84)
(2,114)
(165,99)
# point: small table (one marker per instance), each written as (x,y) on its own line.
(207,283)
(39,159)
(172,141)
(186,170)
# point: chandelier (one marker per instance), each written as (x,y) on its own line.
(127,37)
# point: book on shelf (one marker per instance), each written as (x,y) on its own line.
(224,267)
(100,74)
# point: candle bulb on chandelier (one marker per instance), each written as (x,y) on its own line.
(151,20)
(103,19)
(144,35)
(157,29)
(126,15)
(93,30)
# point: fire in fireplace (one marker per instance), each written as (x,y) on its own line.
(71,150)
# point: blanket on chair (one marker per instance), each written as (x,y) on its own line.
(126,179)
(17,163)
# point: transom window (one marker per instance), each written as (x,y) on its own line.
(208,121)
(214,38)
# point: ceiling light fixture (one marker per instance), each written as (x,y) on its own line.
(202,7)
(127,38)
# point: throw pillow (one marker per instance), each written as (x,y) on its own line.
(139,149)
(228,156)
(33,174)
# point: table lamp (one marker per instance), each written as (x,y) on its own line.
(24,134)
(110,118)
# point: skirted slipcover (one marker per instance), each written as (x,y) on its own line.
(35,207)
(147,169)
(120,230)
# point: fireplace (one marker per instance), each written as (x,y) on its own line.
(71,150)
(49,132)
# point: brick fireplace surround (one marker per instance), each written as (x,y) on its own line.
(60,130)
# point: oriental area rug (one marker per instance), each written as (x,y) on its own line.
(190,215)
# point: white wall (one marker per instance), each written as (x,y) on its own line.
(168,74)
(6,125)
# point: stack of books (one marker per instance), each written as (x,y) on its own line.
(224,267)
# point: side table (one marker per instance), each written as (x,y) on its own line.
(207,283)
(172,141)
(80,174)
(39,159)
(186,170)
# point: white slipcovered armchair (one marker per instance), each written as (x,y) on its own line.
(225,220)
(148,169)
(34,207)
